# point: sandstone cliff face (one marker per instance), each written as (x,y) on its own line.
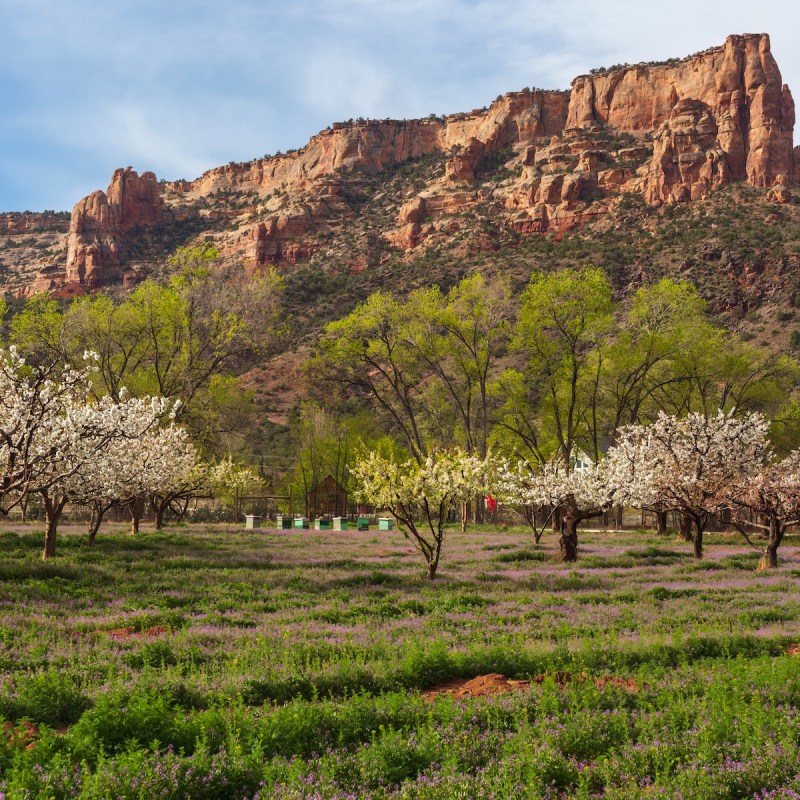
(688,160)
(741,85)
(544,161)
(100,220)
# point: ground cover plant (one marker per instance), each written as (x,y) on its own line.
(207,662)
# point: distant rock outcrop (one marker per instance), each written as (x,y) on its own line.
(100,220)
(740,85)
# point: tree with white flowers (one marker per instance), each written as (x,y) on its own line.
(766,504)
(106,453)
(582,494)
(531,488)
(422,495)
(688,464)
(575,495)
(35,432)
(175,473)
(53,438)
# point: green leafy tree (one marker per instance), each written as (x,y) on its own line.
(563,329)
(187,338)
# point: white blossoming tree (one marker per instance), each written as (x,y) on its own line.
(54,440)
(688,464)
(34,430)
(574,495)
(766,505)
(581,495)
(531,488)
(110,469)
(422,495)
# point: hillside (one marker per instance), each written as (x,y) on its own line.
(682,167)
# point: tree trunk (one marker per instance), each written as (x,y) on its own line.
(661,522)
(697,540)
(94,525)
(135,509)
(769,558)
(619,518)
(53,511)
(480,509)
(161,510)
(464,516)
(568,543)
(685,527)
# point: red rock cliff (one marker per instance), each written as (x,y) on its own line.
(99,221)
(672,132)
(740,85)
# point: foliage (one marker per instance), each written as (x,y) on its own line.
(427,492)
(186,338)
(653,678)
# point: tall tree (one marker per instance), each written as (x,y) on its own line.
(563,328)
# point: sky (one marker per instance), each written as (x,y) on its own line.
(180,86)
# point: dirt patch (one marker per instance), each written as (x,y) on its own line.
(482,686)
(132,633)
(23,734)
(494,684)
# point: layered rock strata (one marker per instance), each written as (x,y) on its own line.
(545,160)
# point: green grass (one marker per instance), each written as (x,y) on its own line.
(207,662)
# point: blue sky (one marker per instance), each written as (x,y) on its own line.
(178,86)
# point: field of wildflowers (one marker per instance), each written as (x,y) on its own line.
(209,662)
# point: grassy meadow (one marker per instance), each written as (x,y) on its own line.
(210,662)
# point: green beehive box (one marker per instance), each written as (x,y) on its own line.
(340,523)
(363,523)
(385,524)
(283,522)
(322,524)
(300,522)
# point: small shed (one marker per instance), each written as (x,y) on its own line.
(327,499)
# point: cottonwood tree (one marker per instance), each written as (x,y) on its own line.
(644,369)
(188,337)
(367,354)
(688,464)
(422,495)
(425,361)
(766,505)
(563,327)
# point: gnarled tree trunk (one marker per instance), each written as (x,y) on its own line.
(685,527)
(568,543)
(135,510)
(697,539)
(769,558)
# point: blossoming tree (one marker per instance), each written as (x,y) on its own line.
(422,495)
(768,503)
(531,488)
(689,464)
